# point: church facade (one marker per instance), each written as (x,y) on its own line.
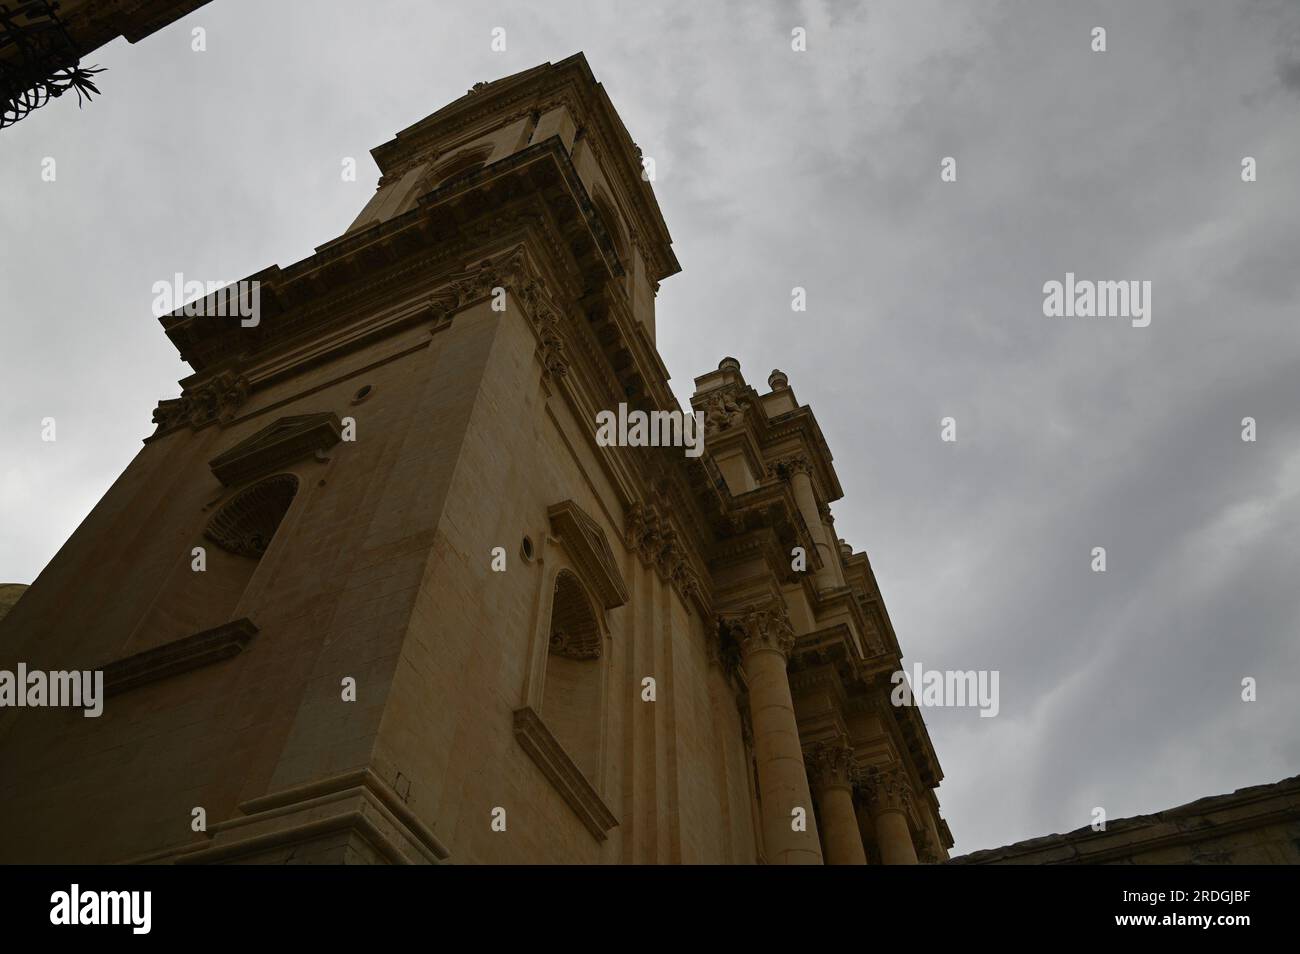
(374,592)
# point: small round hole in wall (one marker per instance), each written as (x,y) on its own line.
(362,394)
(526,548)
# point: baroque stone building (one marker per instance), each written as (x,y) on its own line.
(435,620)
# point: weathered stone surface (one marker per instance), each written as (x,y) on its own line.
(1255,825)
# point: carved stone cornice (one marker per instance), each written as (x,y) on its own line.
(761,628)
(283,442)
(830,764)
(885,789)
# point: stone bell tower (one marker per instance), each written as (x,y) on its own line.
(373,592)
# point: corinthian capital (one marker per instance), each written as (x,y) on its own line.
(786,467)
(759,628)
(885,789)
(830,764)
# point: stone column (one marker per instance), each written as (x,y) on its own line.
(830,767)
(798,470)
(889,796)
(839,548)
(765,639)
(866,827)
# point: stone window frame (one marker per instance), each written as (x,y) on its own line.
(579,547)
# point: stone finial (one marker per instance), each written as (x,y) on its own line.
(729,364)
(777,379)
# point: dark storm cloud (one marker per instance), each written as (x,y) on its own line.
(816,169)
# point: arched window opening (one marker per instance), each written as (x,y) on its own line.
(248,521)
(572,688)
(194,600)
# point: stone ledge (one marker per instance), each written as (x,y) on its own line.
(180,655)
(544,749)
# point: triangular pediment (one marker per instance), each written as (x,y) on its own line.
(285,441)
(590,551)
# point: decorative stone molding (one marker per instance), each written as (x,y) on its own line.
(512,271)
(216,400)
(885,789)
(545,750)
(356,803)
(575,633)
(551,348)
(830,764)
(758,628)
(178,656)
(590,551)
(784,468)
(573,646)
(286,441)
(643,531)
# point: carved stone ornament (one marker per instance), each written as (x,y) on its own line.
(829,764)
(885,789)
(510,271)
(248,521)
(760,628)
(643,531)
(651,536)
(218,399)
(724,410)
(786,467)
(573,646)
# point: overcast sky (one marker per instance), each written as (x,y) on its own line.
(818,169)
